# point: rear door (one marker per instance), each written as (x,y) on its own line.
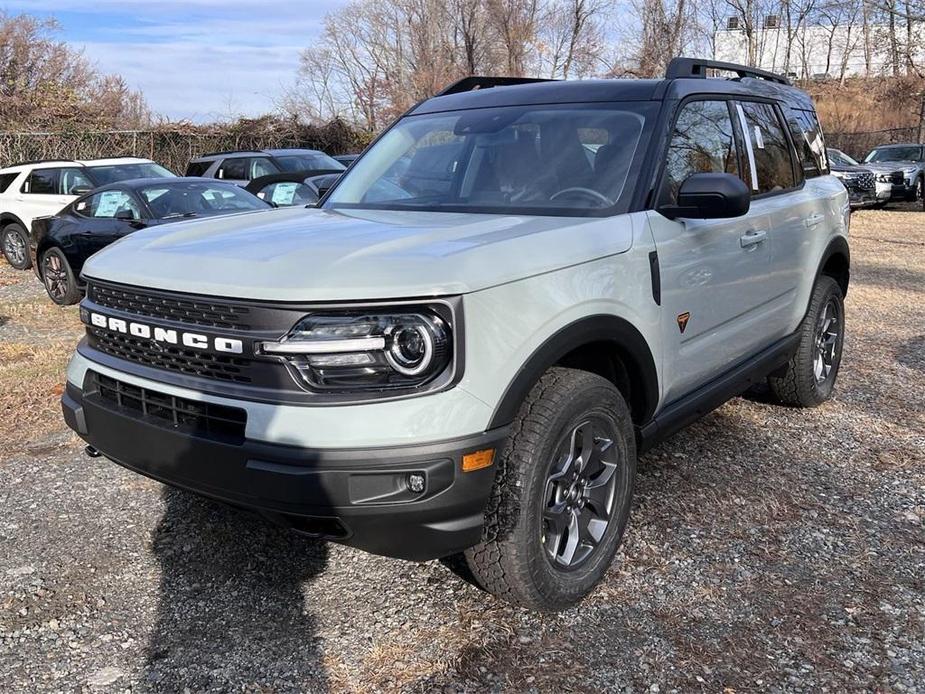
(795,211)
(714,273)
(41,194)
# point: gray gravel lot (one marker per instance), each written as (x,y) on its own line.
(769,549)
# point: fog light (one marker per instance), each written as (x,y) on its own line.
(416,482)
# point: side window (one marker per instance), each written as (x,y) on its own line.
(261,166)
(769,153)
(108,205)
(703,141)
(42,182)
(197,168)
(807,135)
(287,193)
(74,182)
(6,180)
(234,169)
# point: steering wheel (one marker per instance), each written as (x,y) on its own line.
(589,192)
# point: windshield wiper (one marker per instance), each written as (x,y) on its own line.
(180,215)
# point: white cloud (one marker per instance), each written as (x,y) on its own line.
(186,80)
(192,59)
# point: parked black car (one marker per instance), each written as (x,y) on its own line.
(288,189)
(59,245)
(860,181)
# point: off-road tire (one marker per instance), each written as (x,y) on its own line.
(59,280)
(20,263)
(511,560)
(797,384)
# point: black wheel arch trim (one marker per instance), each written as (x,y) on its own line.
(10,218)
(628,342)
(837,246)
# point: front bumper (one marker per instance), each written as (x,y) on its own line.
(359,497)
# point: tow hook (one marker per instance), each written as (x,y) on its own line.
(92,452)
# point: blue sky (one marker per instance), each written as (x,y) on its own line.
(193,59)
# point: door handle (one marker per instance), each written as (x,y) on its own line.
(753,238)
(813,220)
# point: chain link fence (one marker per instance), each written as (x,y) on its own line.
(174,147)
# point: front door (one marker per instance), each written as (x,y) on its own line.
(714,273)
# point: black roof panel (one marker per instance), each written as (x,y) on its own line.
(553,92)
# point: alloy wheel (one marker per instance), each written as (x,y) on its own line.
(55,276)
(579,494)
(826,342)
(14,248)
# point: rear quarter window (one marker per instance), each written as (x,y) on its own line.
(810,143)
(6,180)
(197,168)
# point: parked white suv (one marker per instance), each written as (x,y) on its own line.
(43,188)
(515,289)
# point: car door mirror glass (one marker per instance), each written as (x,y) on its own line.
(710,196)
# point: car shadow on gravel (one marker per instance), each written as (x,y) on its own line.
(231,612)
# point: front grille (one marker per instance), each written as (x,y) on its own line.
(172,307)
(197,418)
(866,181)
(172,358)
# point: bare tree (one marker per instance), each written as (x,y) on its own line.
(572,37)
(44,83)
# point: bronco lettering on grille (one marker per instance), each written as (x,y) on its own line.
(168,336)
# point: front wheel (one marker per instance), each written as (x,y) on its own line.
(809,377)
(15,244)
(58,278)
(562,494)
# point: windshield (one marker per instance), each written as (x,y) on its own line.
(896,154)
(114,173)
(565,160)
(309,161)
(169,200)
(839,158)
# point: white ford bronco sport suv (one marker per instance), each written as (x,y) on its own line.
(520,286)
(33,189)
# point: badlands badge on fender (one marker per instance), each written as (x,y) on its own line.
(683,319)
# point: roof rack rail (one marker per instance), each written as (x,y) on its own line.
(44,161)
(229,151)
(695,67)
(468,84)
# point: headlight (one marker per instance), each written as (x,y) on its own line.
(884,178)
(838,174)
(367,350)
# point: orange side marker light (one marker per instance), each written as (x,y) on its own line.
(478,460)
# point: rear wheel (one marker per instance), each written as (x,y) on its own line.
(58,278)
(809,378)
(15,244)
(562,495)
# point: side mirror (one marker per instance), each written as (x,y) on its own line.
(80,190)
(125,215)
(710,196)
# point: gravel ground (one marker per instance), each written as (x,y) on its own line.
(769,549)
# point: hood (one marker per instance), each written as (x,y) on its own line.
(887,166)
(299,254)
(849,169)
(882,167)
